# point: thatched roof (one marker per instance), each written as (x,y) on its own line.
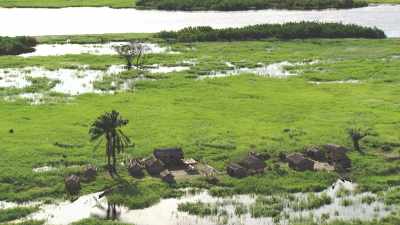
(236,170)
(154,166)
(299,162)
(167,176)
(169,156)
(252,162)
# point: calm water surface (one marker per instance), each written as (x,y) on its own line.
(107,20)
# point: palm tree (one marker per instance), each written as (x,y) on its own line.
(109,126)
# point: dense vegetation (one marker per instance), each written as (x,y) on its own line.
(16,45)
(282,31)
(231,5)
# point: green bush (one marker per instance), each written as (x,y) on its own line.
(232,5)
(16,45)
(299,30)
(15,213)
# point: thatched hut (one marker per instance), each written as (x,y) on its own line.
(253,164)
(167,176)
(236,170)
(335,152)
(171,157)
(90,172)
(260,155)
(72,184)
(135,168)
(316,154)
(299,162)
(337,156)
(154,166)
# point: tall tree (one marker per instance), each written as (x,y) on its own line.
(109,126)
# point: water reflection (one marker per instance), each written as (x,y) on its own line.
(166,211)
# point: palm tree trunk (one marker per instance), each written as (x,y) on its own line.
(114,157)
(108,153)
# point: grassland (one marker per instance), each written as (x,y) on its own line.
(246,112)
(67,3)
(100,3)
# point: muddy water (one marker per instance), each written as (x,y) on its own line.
(166,211)
(105,20)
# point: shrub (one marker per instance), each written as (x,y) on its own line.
(300,30)
(16,45)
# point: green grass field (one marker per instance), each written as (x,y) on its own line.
(245,112)
(100,3)
(67,3)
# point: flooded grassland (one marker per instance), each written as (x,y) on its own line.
(216,101)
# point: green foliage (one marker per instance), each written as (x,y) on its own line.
(241,209)
(392,196)
(231,5)
(15,213)
(346,202)
(267,207)
(198,208)
(313,201)
(16,45)
(299,30)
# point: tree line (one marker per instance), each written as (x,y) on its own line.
(299,30)
(232,5)
(17,45)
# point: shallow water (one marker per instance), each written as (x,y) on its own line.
(277,70)
(94,49)
(70,81)
(336,82)
(167,209)
(106,20)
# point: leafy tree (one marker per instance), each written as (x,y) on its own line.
(109,126)
(133,53)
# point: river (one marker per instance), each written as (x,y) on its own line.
(87,20)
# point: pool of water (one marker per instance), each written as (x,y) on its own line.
(93,49)
(64,213)
(106,20)
(69,81)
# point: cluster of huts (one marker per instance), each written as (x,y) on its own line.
(161,163)
(254,163)
(334,156)
(165,160)
(73,182)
